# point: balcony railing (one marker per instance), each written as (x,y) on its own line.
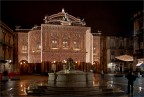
(5,43)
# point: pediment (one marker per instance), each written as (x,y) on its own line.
(63,18)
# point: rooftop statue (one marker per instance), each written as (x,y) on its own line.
(46,19)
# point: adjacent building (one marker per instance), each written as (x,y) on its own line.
(112,46)
(139,37)
(6,48)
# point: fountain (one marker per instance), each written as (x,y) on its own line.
(70,82)
(69,77)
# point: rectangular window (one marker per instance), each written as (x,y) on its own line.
(121,44)
(76,42)
(112,43)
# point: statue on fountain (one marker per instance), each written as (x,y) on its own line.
(70,64)
(69,77)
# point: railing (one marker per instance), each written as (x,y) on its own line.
(6,43)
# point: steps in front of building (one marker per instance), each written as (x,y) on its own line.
(72,91)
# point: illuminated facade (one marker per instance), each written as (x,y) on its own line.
(62,36)
(6,48)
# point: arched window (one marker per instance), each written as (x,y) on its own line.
(65,41)
(54,40)
(76,41)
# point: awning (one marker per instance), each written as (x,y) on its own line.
(140,64)
(125,58)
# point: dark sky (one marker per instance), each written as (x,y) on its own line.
(111,17)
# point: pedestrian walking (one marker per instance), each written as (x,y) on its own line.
(131,78)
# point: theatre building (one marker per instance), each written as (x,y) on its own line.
(47,47)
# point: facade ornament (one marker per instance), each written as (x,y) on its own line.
(83,21)
(46,19)
(17,27)
(66,18)
(63,18)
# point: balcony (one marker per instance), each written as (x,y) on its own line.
(3,42)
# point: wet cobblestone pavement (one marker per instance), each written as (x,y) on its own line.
(17,88)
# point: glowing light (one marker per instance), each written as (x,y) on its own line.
(63,11)
(64,61)
(23,62)
(54,61)
(10,89)
(9,61)
(140,89)
(21,85)
(41,84)
(28,88)
(20,62)
(96,83)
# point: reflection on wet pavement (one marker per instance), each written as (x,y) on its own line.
(18,87)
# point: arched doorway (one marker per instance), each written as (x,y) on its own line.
(23,67)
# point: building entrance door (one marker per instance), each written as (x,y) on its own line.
(23,67)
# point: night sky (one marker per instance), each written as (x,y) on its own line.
(110,17)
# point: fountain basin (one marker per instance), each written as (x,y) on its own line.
(72,78)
